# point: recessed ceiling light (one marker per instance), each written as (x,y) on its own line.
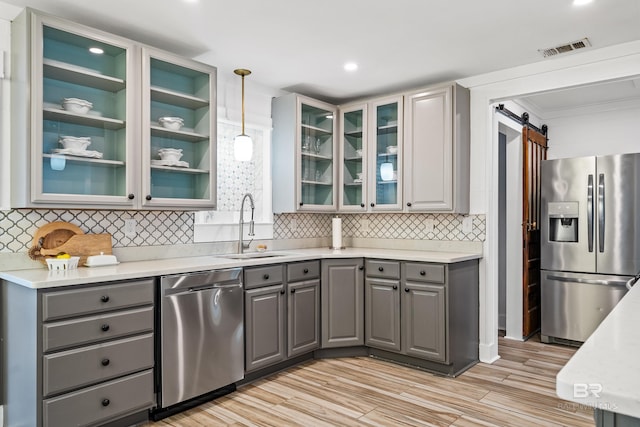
(581,2)
(350,66)
(96,50)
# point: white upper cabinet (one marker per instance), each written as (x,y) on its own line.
(81,121)
(304,152)
(353,148)
(178,116)
(436,155)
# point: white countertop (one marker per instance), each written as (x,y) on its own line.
(606,369)
(43,278)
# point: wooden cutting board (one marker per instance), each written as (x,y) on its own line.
(83,245)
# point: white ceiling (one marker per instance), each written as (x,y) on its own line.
(301,46)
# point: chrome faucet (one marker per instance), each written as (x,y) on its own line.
(241,245)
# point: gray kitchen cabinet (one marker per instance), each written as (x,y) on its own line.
(382,304)
(424,320)
(265,315)
(437,149)
(303,307)
(80,355)
(342,296)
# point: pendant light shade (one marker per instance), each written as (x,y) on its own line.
(242,144)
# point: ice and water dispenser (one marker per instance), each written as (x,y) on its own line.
(563,221)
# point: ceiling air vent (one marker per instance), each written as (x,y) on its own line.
(568,47)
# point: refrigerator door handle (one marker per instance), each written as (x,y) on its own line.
(601,212)
(590,202)
(588,281)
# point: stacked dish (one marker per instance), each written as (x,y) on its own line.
(170,157)
(173,123)
(76,105)
(76,146)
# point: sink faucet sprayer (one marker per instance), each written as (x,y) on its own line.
(241,245)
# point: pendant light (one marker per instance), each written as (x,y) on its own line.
(242,144)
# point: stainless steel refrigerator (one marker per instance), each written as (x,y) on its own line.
(590,241)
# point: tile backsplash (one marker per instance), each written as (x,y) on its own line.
(157,228)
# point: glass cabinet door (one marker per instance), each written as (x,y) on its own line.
(316,147)
(82,103)
(353,176)
(179,119)
(386,154)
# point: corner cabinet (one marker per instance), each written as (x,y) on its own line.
(304,152)
(177,87)
(56,60)
(437,150)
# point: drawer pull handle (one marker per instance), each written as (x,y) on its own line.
(265,277)
(380,269)
(104,327)
(105,402)
(148,197)
(395,287)
(361,267)
(105,298)
(105,362)
(409,204)
(293,291)
(422,272)
(131,196)
(305,271)
(406,290)
(282,292)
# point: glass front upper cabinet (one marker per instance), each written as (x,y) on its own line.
(179,131)
(82,112)
(353,175)
(386,154)
(316,147)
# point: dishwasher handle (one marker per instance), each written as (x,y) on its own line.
(207,287)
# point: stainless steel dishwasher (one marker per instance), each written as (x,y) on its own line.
(201,333)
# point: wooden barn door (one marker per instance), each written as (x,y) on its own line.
(535,150)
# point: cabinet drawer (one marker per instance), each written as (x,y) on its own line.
(95,299)
(424,272)
(84,330)
(255,277)
(100,403)
(306,270)
(76,368)
(385,269)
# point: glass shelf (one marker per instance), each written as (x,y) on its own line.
(183,135)
(176,98)
(53,113)
(76,159)
(81,76)
(317,157)
(175,169)
(316,129)
(317,183)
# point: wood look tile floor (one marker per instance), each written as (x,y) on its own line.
(517,390)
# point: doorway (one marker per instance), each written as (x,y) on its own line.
(509,228)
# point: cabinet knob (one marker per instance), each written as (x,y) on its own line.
(395,287)
(104,327)
(105,402)
(422,272)
(373,204)
(409,204)
(148,197)
(105,362)
(380,269)
(406,290)
(104,298)
(301,203)
(361,267)
(282,292)
(362,205)
(265,277)
(293,291)
(305,271)
(131,196)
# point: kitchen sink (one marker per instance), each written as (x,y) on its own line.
(251,255)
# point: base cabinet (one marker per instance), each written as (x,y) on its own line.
(78,356)
(382,304)
(303,314)
(342,294)
(424,321)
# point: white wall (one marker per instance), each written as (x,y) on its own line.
(595,134)
(6,14)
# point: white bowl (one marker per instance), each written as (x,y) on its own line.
(392,149)
(359,153)
(170,154)
(76,105)
(173,123)
(76,143)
